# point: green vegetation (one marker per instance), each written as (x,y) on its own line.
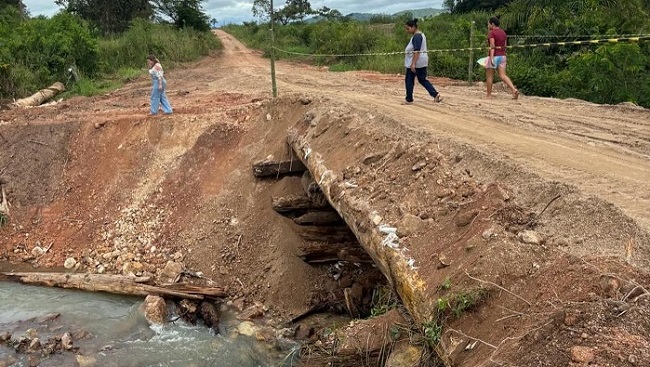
(432,332)
(446,284)
(35,52)
(4,219)
(383,300)
(607,73)
(449,307)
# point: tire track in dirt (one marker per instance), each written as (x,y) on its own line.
(603,150)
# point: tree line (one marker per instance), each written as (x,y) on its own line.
(115,16)
(99,38)
(293,10)
(605,73)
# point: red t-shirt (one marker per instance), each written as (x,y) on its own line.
(499,41)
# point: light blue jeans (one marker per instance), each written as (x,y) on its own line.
(159,98)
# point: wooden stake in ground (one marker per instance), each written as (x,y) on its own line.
(41,96)
(116,284)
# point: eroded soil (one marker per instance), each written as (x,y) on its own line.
(97,180)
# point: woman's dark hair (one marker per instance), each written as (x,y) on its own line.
(412,22)
(153,58)
(495,21)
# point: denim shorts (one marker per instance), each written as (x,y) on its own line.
(499,62)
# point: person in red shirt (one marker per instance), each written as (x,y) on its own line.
(497,57)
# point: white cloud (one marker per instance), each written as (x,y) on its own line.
(235,11)
(41,7)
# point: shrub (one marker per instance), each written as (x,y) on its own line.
(40,50)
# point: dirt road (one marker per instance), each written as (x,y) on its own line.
(603,150)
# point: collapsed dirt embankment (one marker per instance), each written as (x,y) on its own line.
(496,265)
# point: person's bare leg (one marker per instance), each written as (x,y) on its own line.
(489,80)
(506,79)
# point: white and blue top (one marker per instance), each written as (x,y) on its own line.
(417,43)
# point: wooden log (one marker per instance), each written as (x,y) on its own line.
(319,218)
(41,96)
(322,252)
(115,284)
(295,203)
(333,234)
(275,168)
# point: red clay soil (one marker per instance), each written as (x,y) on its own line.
(515,270)
(118,191)
(98,180)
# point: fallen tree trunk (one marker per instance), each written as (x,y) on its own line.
(41,96)
(273,168)
(321,252)
(116,284)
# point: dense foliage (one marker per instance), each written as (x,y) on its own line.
(605,73)
(34,52)
(115,16)
(108,16)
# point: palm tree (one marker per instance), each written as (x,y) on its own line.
(524,14)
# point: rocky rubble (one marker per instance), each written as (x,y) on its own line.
(44,339)
(130,245)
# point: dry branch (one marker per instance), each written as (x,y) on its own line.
(498,286)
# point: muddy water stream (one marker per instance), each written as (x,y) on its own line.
(119,334)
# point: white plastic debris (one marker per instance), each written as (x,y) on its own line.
(350,185)
(307,152)
(387,229)
(391,241)
(411,263)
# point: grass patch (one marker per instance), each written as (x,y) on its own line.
(127,74)
(449,308)
(342,67)
(432,333)
(91,87)
(383,301)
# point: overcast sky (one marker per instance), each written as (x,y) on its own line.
(235,11)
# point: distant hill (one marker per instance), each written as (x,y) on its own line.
(417,13)
(364,17)
(421,13)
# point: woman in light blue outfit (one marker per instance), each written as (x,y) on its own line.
(158,91)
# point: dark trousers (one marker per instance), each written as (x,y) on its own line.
(421,74)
